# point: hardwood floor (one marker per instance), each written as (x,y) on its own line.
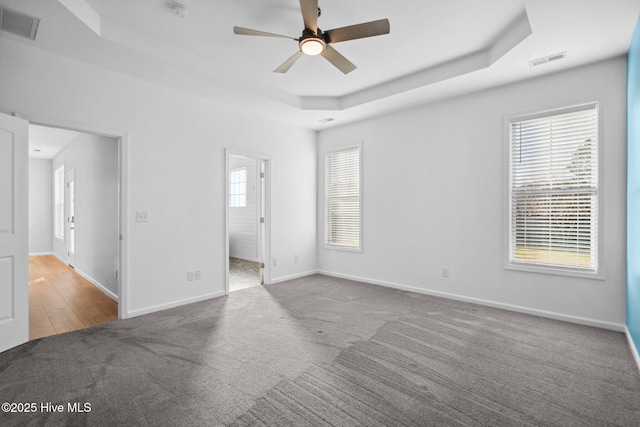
(60,300)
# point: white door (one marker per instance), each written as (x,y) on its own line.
(14,246)
(261,219)
(70,203)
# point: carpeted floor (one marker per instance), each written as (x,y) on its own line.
(325,351)
(243,274)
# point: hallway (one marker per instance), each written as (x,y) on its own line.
(60,300)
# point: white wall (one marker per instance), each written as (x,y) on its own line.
(243,226)
(40,206)
(176,170)
(434,196)
(94,160)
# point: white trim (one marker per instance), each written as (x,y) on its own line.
(98,285)
(58,180)
(634,349)
(267,211)
(69,176)
(510,307)
(160,307)
(325,244)
(293,276)
(553,270)
(599,274)
(123,229)
(123,190)
(41,253)
(62,260)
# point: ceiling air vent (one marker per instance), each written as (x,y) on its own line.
(17,23)
(548,59)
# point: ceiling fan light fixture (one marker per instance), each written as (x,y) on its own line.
(312,46)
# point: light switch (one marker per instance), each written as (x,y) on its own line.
(142,216)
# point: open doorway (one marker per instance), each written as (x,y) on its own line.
(246,220)
(74,244)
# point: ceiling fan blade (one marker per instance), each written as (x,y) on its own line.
(358,31)
(339,61)
(249,32)
(288,63)
(310,14)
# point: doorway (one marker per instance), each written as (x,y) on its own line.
(74,264)
(247,220)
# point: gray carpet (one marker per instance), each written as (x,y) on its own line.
(324,351)
(243,274)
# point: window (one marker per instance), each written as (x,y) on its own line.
(342,199)
(238,188)
(554,190)
(59,203)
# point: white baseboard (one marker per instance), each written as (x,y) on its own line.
(520,309)
(90,279)
(293,276)
(64,261)
(160,307)
(40,253)
(98,285)
(634,349)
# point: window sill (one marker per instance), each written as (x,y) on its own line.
(343,248)
(555,271)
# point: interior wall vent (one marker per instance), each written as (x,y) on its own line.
(18,23)
(547,59)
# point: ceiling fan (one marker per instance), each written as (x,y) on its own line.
(314,41)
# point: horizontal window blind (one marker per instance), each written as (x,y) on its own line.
(554,189)
(342,198)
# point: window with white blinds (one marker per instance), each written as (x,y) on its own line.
(554,190)
(342,199)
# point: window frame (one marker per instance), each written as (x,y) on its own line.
(332,246)
(231,183)
(59,203)
(599,272)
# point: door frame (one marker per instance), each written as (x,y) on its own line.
(261,226)
(122,138)
(265,202)
(69,201)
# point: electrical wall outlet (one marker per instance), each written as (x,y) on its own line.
(274,262)
(191,276)
(445,271)
(197,274)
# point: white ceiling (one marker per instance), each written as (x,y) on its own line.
(46,142)
(436,49)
